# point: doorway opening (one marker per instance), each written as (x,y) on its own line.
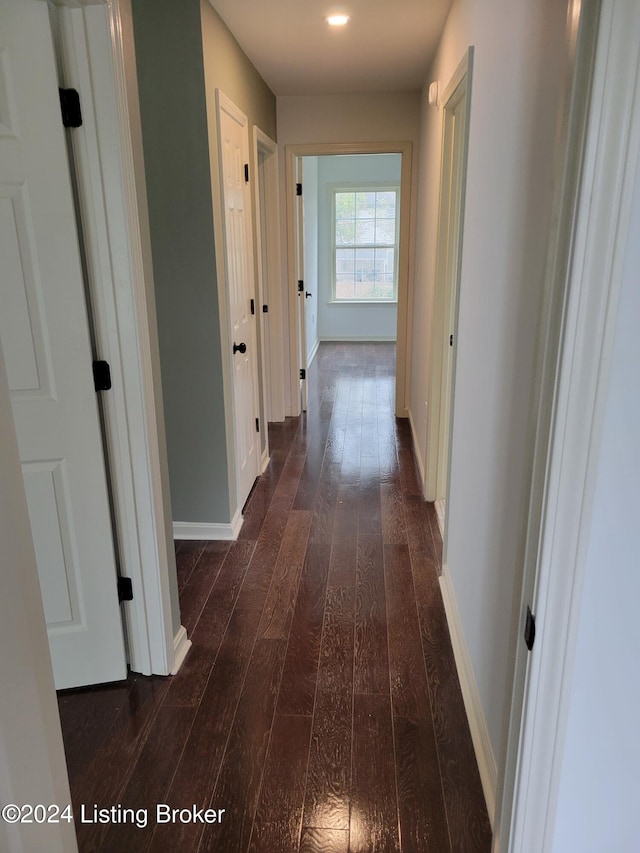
(341,289)
(348,229)
(456,104)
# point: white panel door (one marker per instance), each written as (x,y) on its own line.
(454,152)
(45,338)
(240,288)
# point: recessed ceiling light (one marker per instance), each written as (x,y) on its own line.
(338,20)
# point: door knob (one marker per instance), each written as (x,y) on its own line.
(239,348)
(307,294)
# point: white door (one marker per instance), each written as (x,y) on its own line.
(454,155)
(456,104)
(302,320)
(264,279)
(45,337)
(240,288)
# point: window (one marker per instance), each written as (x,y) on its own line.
(365,244)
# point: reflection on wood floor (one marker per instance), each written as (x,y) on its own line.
(319,705)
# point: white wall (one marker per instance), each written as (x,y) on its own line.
(346,118)
(310,207)
(599,793)
(519,54)
(355,322)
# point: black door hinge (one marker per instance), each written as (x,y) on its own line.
(125,589)
(300,286)
(530,629)
(257,424)
(265,309)
(298,189)
(253,306)
(246,173)
(101,376)
(70,107)
(450,340)
(303,373)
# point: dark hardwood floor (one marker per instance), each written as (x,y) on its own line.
(319,705)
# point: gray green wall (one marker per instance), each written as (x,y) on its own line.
(176,44)
(174,124)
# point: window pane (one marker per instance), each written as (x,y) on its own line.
(365,254)
(344,290)
(385,231)
(364,290)
(365,218)
(386,204)
(345,265)
(345,232)
(385,264)
(345,205)
(365,205)
(365,231)
(345,262)
(364,264)
(384,290)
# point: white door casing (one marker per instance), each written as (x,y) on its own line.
(270,273)
(45,337)
(263,284)
(240,289)
(456,105)
(96,53)
(458,114)
(600,158)
(302,320)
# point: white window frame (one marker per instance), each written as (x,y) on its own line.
(364,186)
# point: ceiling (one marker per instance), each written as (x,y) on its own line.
(387,46)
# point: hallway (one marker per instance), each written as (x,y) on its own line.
(319,705)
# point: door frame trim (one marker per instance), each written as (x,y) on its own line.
(110,175)
(314,149)
(445,292)
(268,239)
(574,395)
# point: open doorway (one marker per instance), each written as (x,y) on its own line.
(347,284)
(351,206)
(455,138)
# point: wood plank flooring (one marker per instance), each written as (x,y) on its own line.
(319,705)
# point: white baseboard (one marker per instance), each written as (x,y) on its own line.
(206,530)
(313,352)
(181,645)
(473,706)
(264,461)
(417,450)
(358,339)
